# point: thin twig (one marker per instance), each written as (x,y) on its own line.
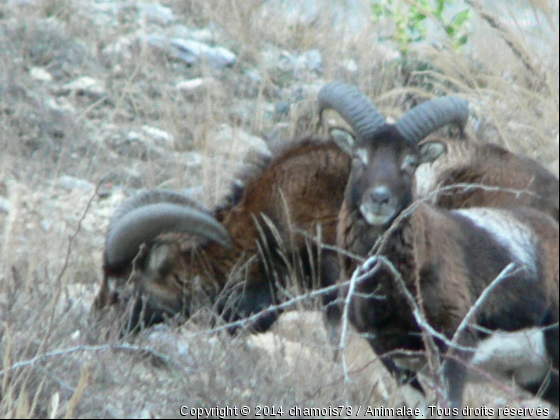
(363,271)
(77,349)
(510,269)
(45,342)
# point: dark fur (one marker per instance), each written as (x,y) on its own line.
(446,261)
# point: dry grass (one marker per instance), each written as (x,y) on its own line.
(54,362)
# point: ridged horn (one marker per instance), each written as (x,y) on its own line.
(428,117)
(151,213)
(356,108)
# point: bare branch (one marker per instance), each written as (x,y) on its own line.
(506,272)
(79,349)
(369,267)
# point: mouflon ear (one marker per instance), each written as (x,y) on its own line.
(343,138)
(431,150)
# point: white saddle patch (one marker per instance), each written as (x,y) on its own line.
(511,233)
(520,355)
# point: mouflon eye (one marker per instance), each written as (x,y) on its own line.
(410,163)
(361,157)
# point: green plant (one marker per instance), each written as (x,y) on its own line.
(410,18)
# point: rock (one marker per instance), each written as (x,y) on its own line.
(254,76)
(203,35)
(104,14)
(350,65)
(312,60)
(120,50)
(190,159)
(71,183)
(39,73)
(60,105)
(282,109)
(282,62)
(161,137)
(194,85)
(140,145)
(5,205)
(156,13)
(194,52)
(85,86)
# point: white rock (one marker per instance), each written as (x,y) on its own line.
(154,12)
(39,73)
(141,144)
(85,85)
(60,104)
(203,35)
(5,205)
(162,138)
(71,183)
(194,52)
(119,50)
(190,159)
(350,65)
(312,60)
(193,85)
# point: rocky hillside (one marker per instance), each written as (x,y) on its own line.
(100,99)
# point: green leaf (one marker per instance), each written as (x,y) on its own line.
(463,40)
(440,8)
(460,18)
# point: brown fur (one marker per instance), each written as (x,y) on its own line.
(468,162)
(298,189)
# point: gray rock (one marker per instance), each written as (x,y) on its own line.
(294,65)
(312,60)
(72,183)
(156,13)
(195,85)
(140,145)
(190,159)
(253,75)
(160,137)
(282,109)
(86,86)
(5,205)
(194,52)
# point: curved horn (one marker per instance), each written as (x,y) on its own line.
(152,197)
(356,108)
(426,118)
(152,213)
